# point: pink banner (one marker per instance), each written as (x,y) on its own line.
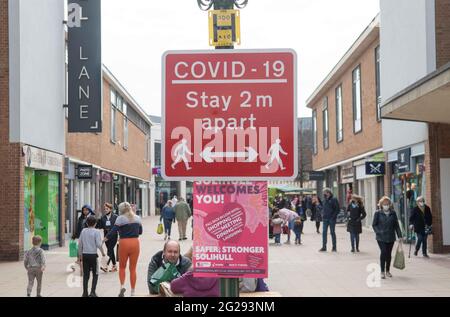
(230,229)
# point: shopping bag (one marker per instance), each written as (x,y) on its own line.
(166,273)
(285,229)
(160,229)
(399,261)
(165,290)
(73,249)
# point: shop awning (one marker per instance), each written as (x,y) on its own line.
(428,100)
(289,189)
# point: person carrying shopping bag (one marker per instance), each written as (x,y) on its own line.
(386,226)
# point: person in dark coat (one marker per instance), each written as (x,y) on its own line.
(356,213)
(330,211)
(316,212)
(107,223)
(385,224)
(86,211)
(421,221)
(168,215)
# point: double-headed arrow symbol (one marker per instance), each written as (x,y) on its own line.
(208,155)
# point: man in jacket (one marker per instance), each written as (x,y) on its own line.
(182,214)
(420,220)
(330,211)
(170,254)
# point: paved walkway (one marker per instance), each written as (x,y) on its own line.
(293,271)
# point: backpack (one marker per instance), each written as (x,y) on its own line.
(261,286)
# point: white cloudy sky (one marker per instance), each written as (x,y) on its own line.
(135,33)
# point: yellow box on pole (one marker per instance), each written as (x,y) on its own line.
(224,27)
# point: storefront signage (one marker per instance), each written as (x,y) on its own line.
(85,66)
(347,173)
(84,171)
(230,229)
(43,160)
(106,177)
(316,176)
(375,168)
(404,161)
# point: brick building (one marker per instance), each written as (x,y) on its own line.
(347,123)
(31,125)
(119,157)
(415,41)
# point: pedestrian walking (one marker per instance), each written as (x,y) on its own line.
(106,223)
(34,262)
(90,241)
(298,228)
(421,222)
(168,217)
(330,212)
(182,214)
(385,225)
(316,212)
(129,227)
(356,213)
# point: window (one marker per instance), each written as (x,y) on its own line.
(113,115)
(157,154)
(377,82)
(113,97)
(357,108)
(325,123)
(125,108)
(119,104)
(113,124)
(315,131)
(125,133)
(148,154)
(339,115)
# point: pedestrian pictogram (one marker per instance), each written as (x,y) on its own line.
(229,115)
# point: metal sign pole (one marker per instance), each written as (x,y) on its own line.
(229,287)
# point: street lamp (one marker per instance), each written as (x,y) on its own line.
(205,5)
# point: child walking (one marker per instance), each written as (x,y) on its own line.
(90,240)
(277,230)
(34,262)
(298,228)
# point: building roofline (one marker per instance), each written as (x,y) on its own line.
(109,76)
(373,26)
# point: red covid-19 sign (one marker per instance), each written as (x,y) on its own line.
(229,115)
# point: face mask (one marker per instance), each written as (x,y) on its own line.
(385,207)
(421,204)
